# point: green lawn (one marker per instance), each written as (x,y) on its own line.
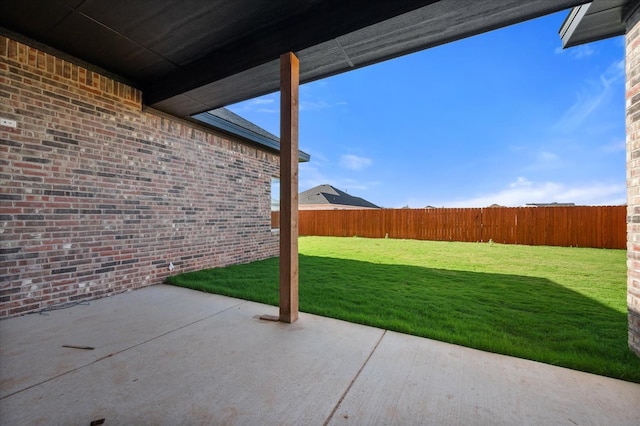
(558,305)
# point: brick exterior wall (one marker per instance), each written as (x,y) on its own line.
(99,195)
(633,177)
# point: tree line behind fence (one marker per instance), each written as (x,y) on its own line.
(579,226)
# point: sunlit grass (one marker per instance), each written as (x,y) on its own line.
(562,306)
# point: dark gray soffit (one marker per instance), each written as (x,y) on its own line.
(196,55)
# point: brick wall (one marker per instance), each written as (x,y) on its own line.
(98,196)
(633,177)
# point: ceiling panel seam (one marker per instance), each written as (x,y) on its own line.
(119,34)
(60,22)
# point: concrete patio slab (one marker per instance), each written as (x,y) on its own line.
(165,355)
(410,380)
(31,346)
(226,366)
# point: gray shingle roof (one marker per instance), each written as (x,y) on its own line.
(554,204)
(327,194)
(229,122)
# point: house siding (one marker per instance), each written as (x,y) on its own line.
(98,195)
(633,177)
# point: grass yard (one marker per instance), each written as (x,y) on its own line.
(558,305)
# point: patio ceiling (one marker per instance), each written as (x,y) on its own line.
(196,55)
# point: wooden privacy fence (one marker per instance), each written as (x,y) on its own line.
(581,226)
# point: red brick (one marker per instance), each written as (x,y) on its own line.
(123,192)
(633,169)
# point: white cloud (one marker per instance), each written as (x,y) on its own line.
(578,52)
(544,160)
(583,51)
(311,176)
(615,146)
(590,98)
(584,105)
(547,156)
(312,173)
(318,105)
(309,101)
(354,162)
(261,101)
(265,104)
(521,182)
(524,191)
(319,158)
(313,105)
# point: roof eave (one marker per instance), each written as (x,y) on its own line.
(571,23)
(245,134)
(594,21)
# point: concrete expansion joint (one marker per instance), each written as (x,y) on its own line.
(364,364)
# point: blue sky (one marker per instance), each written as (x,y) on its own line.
(506,117)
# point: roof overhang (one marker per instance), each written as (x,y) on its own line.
(197,55)
(226,121)
(597,20)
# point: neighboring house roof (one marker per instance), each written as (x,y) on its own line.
(229,122)
(554,204)
(327,194)
(596,20)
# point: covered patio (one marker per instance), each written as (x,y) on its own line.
(146,72)
(165,355)
(185,60)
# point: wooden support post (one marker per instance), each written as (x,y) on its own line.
(289,81)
